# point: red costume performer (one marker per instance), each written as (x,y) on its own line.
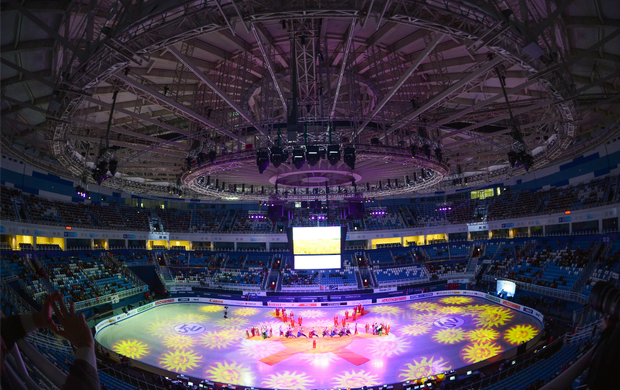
(299,320)
(344,322)
(346,314)
(314,344)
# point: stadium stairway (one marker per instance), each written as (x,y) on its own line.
(358,277)
(585,276)
(165,272)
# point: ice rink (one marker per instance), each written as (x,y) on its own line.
(426,337)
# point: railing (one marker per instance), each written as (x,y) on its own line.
(552,292)
(587,332)
(109,297)
(37,338)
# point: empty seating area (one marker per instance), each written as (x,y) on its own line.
(400,275)
(345,277)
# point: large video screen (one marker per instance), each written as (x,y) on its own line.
(317,247)
(506,288)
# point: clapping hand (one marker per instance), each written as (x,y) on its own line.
(75,328)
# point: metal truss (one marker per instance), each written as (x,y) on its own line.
(225,90)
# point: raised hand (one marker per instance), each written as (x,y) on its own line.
(75,328)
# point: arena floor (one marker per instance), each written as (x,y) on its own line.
(426,337)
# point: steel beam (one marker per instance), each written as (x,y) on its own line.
(120,130)
(481,104)
(437,98)
(43,26)
(269,66)
(343,66)
(141,117)
(421,57)
(186,110)
(194,69)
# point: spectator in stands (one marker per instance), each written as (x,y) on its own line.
(83,373)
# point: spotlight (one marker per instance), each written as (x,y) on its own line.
(312,155)
(512,158)
(528,161)
(349,156)
(299,158)
(277,156)
(333,154)
(112,166)
(103,166)
(262,160)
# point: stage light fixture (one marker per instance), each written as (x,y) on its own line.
(262,160)
(277,156)
(299,158)
(512,158)
(312,155)
(528,161)
(414,149)
(333,154)
(112,166)
(212,156)
(349,156)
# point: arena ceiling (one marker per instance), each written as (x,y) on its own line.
(199,87)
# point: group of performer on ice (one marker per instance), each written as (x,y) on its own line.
(341,327)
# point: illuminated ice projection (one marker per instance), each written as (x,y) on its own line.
(178,341)
(353,379)
(426,337)
(482,335)
(476,352)
(449,336)
(385,309)
(423,367)
(319,359)
(232,323)
(388,346)
(427,318)
(456,300)
(131,348)
(415,329)
(191,318)
(493,317)
(259,349)
(312,314)
(160,328)
(423,306)
(520,334)
(450,310)
(211,308)
(180,360)
(288,380)
(220,339)
(245,311)
(232,372)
